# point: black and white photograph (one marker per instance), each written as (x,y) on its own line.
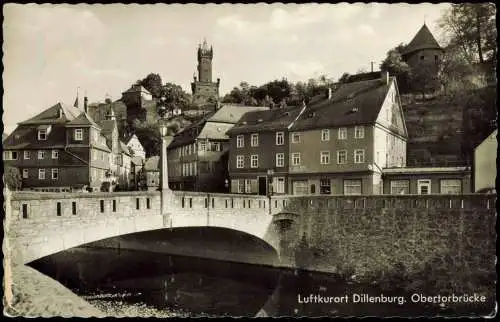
(249,160)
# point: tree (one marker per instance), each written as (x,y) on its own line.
(424,80)
(396,66)
(472,28)
(153,84)
(175,96)
(344,78)
(453,71)
(12,177)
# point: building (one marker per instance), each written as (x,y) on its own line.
(136,166)
(485,164)
(60,149)
(150,174)
(135,146)
(204,91)
(197,156)
(259,151)
(423,51)
(121,156)
(337,145)
(100,111)
(340,144)
(429,180)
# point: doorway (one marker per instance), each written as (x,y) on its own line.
(262,186)
(424,187)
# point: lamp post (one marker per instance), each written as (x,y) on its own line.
(166,114)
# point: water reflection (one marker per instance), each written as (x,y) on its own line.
(201,286)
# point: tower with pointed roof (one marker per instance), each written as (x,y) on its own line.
(423,50)
(205,91)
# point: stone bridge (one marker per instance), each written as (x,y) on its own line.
(357,228)
(41,224)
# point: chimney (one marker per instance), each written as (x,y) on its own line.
(85,104)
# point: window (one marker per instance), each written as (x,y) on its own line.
(450,186)
(241,186)
(325,157)
(254,139)
(73,208)
(41,155)
(254,161)
(296,158)
(26,155)
(325,135)
(78,134)
(25,210)
(352,187)
(280,185)
(424,187)
(42,135)
(422,57)
(101,202)
(300,187)
(55,154)
(280,138)
(203,146)
(55,174)
(359,132)
(435,57)
(342,157)
(25,173)
(295,137)
(215,146)
(41,174)
(240,161)
(325,186)
(342,133)
(400,187)
(280,160)
(248,186)
(10,155)
(137,203)
(240,141)
(359,156)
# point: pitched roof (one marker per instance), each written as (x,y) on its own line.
(152,163)
(229,113)
(125,149)
(422,40)
(213,125)
(366,96)
(137,88)
(25,136)
(270,120)
(83,119)
(52,116)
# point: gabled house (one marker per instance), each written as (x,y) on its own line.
(135,146)
(60,149)
(485,164)
(197,156)
(340,144)
(259,149)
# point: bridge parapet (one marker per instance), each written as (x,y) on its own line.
(466,201)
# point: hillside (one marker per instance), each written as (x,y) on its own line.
(443,131)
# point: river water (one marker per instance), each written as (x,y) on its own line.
(168,285)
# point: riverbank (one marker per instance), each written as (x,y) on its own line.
(29,293)
(120,305)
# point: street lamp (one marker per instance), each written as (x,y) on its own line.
(165,113)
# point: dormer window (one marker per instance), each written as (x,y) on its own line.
(42,134)
(78,134)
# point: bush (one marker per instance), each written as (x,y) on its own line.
(12,178)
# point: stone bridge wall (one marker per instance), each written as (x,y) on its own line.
(447,238)
(39,224)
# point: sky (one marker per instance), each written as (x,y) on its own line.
(53,51)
